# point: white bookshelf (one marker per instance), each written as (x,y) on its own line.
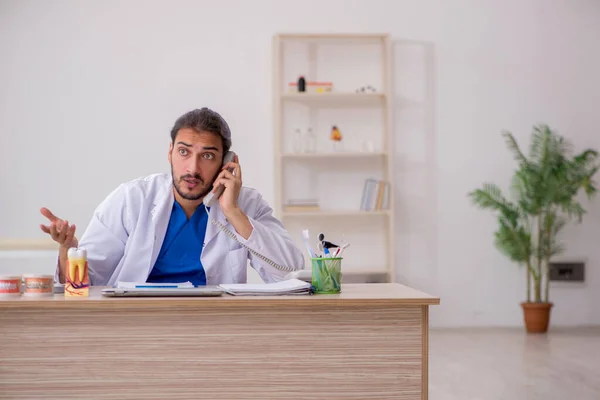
(336,177)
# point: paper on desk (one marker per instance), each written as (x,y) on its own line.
(290,286)
(133,285)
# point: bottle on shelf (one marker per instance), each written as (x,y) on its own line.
(298,142)
(301,84)
(310,141)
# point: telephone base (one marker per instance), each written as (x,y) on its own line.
(302,274)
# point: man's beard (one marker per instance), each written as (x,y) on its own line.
(190,196)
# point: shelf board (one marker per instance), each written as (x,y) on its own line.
(365,275)
(364,270)
(357,270)
(335,98)
(339,154)
(331,213)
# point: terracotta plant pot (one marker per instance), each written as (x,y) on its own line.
(537,316)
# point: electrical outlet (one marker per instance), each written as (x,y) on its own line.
(567,271)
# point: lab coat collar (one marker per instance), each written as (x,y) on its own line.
(161,214)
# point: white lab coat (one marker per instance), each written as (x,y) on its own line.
(127,230)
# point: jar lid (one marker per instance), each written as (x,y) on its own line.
(9,277)
(39,276)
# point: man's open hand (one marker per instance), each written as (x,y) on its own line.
(59,229)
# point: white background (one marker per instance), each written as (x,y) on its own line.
(89,91)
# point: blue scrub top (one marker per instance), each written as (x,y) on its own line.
(179,257)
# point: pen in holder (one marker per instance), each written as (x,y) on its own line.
(327,275)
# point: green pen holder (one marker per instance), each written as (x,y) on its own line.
(327,275)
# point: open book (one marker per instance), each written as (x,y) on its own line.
(290,286)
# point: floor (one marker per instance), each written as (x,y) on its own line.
(490,364)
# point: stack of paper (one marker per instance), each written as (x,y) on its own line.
(290,286)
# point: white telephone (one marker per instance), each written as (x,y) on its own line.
(302,274)
(212,198)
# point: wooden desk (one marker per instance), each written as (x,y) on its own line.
(370,342)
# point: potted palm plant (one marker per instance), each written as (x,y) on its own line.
(544,190)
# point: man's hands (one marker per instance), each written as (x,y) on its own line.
(60,230)
(229,199)
(63,234)
(233,184)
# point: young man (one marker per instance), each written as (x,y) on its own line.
(157,229)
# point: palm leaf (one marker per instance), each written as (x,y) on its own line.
(513,146)
(573,209)
(513,241)
(490,197)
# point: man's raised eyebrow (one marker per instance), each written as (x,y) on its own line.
(210,148)
(203,148)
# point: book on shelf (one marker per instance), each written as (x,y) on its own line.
(288,208)
(376,195)
(302,202)
(301,205)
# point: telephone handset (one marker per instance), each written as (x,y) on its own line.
(211,198)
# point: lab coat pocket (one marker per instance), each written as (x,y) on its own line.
(237,263)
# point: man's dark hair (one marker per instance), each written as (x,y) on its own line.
(204,120)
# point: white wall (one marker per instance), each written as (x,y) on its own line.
(507,67)
(110,78)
